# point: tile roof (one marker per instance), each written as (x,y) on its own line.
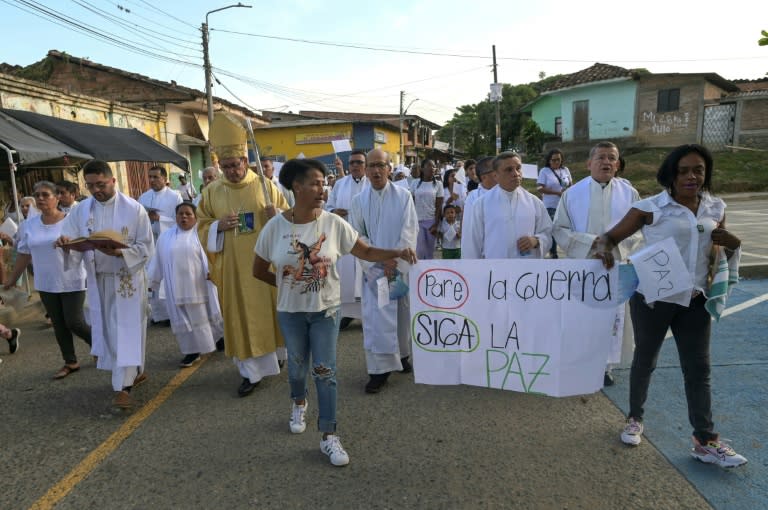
(596,73)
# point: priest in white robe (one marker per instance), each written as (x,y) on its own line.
(384,215)
(181,266)
(339,202)
(587,209)
(117,285)
(508,222)
(160,201)
(484,172)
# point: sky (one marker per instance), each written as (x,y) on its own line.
(438,51)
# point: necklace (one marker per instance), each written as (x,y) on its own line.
(293,224)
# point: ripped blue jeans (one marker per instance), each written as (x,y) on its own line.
(315,333)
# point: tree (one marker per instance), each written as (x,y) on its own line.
(475,124)
(763,41)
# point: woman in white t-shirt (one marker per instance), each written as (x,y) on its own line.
(428,199)
(686,213)
(62,290)
(454,192)
(553,179)
(303,244)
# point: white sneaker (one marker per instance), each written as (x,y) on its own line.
(632,432)
(717,452)
(298,421)
(333,449)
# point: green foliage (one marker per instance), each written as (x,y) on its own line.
(533,137)
(763,41)
(475,124)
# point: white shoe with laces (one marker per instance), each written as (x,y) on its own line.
(632,433)
(717,451)
(333,449)
(298,418)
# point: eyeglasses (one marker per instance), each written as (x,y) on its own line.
(41,194)
(379,164)
(97,185)
(231,166)
(356,162)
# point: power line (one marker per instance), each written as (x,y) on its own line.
(135,29)
(62,20)
(484,57)
(132,12)
(168,14)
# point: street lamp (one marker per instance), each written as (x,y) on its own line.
(403,111)
(207,67)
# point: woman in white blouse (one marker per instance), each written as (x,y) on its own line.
(695,220)
(62,290)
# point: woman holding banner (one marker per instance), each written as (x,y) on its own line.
(695,220)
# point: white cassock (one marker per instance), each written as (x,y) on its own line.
(500,218)
(164,202)
(385,219)
(117,286)
(466,219)
(182,266)
(586,210)
(348,266)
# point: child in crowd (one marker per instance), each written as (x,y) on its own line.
(450,233)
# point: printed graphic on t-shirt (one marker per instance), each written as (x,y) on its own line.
(311,270)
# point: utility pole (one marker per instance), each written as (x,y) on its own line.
(208,74)
(498,103)
(208,91)
(402,145)
(453,141)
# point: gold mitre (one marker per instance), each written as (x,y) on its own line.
(228,137)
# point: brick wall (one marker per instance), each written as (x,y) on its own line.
(668,129)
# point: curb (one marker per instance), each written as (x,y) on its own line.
(755,271)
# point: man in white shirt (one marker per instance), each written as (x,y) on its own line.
(210,174)
(586,210)
(269,172)
(384,215)
(339,202)
(186,189)
(487,177)
(160,201)
(117,286)
(67,192)
(508,222)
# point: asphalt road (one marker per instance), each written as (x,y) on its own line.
(195,444)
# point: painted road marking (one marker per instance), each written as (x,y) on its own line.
(97,456)
(735,309)
(754,255)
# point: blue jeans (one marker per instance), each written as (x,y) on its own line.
(315,333)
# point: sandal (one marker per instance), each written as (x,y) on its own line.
(65,371)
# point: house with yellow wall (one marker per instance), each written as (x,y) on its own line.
(283,140)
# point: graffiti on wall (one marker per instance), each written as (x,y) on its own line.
(665,123)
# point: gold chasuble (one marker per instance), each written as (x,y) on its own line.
(248,305)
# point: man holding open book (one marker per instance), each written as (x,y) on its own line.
(117,286)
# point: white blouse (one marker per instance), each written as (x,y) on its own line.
(692,234)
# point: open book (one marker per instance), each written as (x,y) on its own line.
(101,239)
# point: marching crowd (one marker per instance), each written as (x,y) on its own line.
(268,269)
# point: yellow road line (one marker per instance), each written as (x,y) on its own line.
(92,461)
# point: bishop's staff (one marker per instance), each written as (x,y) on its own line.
(259,169)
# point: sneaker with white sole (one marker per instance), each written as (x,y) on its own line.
(13,342)
(632,432)
(717,451)
(298,419)
(333,449)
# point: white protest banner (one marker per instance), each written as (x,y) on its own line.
(662,273)
(534,326)
(530,171)
(341,146)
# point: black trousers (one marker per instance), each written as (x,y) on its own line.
(553,249)
(66,312)
(691,328)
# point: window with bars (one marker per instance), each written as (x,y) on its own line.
(668,100)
